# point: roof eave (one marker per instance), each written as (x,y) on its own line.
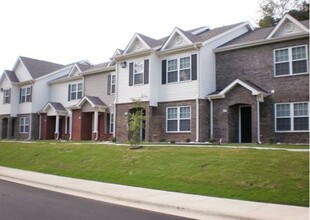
(65,80)
(135,54)
(100,70)
(260,42)
(195,46)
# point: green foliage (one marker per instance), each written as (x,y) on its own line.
(273,10)
(136,122)
(247,174)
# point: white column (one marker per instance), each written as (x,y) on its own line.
(57,127)
(258,99)
(96,115)
(211,119)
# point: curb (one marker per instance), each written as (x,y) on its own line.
(179,204)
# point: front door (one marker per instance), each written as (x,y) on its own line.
(5,124)
(245,124)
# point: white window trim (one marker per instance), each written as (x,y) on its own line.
(26,94)
(290,60)
(179,69)
(178,118)
(291,117)
(134,73)
(22,126)
(6,95)
(76,91)
(113,84)
(111,127)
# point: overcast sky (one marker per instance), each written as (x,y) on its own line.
(65,31)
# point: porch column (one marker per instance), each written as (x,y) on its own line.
(57,127)
(95,131)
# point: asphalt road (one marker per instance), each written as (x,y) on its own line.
(20,202)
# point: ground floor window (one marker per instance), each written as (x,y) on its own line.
(24,125)
(292,116)
(178,119)
(110,123)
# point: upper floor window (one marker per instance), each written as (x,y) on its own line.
(6,96)
(75,91)
(178,119)
(24,125)
(290,61)
(25,94)
(111,84)
(139,72)
(292,116)
(179,69)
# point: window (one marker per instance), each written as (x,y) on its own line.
(138,73)
(110,123)
(24,125)
(25,95)
(292,116)
(289,61)
(75,91)
(178,119)
(6,96)
(179,69)
(113,84)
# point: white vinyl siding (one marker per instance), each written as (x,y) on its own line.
(292,117)
(178,119)
(291,61)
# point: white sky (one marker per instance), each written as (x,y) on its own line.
(65,31)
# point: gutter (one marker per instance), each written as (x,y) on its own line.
(258,43)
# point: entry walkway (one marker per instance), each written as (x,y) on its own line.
(180,204)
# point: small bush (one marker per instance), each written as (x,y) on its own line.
(172,142)
(113,139)
(188,140)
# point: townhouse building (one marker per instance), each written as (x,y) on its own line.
(231,84)
(24,93)
(172,77)
(262,86)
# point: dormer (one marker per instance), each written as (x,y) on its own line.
(136,44)
(288,26)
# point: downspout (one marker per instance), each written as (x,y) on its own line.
(211,118)
(258,119)
(197,118)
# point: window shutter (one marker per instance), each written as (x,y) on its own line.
(20,95)
(146,71)
(130,74)
(194,67)
(30,98)
(163,71)
(69,91)
(109,85)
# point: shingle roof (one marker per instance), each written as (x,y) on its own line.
(150,41)
(257,34)
(38,68)
(95,100)
(12,76)
(57,106)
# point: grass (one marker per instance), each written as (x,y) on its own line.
(248,174)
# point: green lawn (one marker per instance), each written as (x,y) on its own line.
(247,174)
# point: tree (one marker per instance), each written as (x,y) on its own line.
(273,10)
(136,122)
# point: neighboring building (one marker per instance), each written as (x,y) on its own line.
(24,93)
(262,83)
(65,91)
(171,76)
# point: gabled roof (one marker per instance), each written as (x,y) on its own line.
(271,34)
(256,90)
(292,21)
(56,106)
(11,76)
(38,68)
(94,101)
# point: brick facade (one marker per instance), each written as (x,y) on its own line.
(255,64)
(155,121)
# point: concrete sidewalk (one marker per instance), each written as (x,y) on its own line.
(186,205)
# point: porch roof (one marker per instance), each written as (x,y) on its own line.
(256,90)
(56,106)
